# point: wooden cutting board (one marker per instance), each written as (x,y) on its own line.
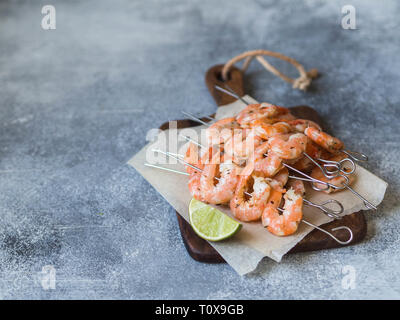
(200,249)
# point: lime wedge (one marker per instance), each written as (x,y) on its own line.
(210,223)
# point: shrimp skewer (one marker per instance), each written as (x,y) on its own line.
(330,168)
(259,111)
(293,148)
(303,220)
(204,170)
(303,163)
(281,175)
(332,144)
(288,152)
(353,155)
(288,146)
(221,131)
(286,223)
(318,183)
(242,144)
(247,208)
(222,191)
(265,130)
(298,187)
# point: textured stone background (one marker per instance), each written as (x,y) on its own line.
(77,101)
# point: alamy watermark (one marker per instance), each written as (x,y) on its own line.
(48,277)
(49,19)
(349,18)
(349,278)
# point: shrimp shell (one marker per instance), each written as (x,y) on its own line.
(323,139)
(268,164)
(259,111)
(250,209)
(286,223)
(288,146)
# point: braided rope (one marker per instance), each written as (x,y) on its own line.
(302,82)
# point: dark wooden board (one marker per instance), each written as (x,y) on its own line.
(200,249)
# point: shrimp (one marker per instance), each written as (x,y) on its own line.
(265,161)
(298,186)
(194,185)
(192,157)
(195,175)
(300,125)
(326,141)
(210,156)
(221,131)
(283,117)
(288,146)
(337,181)
(218,182)
(244,207)
(265,130)
(280,118)
(259,111)
(304,163)
(242,144)
(286,223)
(280,178)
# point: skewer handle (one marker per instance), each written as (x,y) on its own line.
(235,81)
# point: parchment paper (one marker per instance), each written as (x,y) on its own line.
(245,250)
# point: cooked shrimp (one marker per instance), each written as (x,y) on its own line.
(218,182)
(280,118)
(211,156)
(242,144)
(304,163)
(323,139)
(247,208)
(194,185)
(192,156)
(298,186)
(265,162)
(194,177)
(337,181)
(265,130)
(300,125)
(283,117)
(281,178)
(221,131)
(259,111)
(286,223)
(288,146)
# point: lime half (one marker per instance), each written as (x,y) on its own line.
(210,223)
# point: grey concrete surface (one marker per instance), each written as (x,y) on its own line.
(77,101)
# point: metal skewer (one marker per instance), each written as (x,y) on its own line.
(328,185)
(229,91)
(305,221)
(334,229)
(355,156)
(338,166)
(195,118)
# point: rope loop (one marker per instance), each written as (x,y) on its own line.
(302,82)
